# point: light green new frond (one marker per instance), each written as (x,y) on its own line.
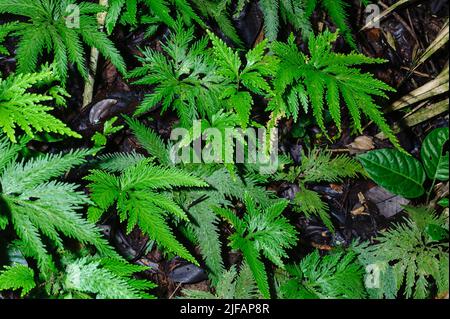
(228,61)
(17,277)
(28,111)
(242,102)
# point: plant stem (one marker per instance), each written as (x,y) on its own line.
(430,190)
(89,85)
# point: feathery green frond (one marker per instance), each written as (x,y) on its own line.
(337,275)
(17,277)
(413,254)
(264,232)
(158,12)
(39,207)
(185,80)
(106,279)
(56,27)
(318,166)
(19,108)
(118,162)
(309,203)
(231,285)
(149,140)
(250,75)
(329,77)
(136,192)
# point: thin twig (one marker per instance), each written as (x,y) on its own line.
(175,291)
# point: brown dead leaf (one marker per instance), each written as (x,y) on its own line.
(359,210)
(337,188)
(322,247)
(361,144)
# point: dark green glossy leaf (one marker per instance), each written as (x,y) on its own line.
(436,232)
(434,158)
(443,202)
(395,171)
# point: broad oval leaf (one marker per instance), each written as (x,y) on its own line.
(435,160)
(395,171)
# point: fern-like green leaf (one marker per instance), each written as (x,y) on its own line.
(29,111)
(409,254)
(259,232)
(39,207)
(17,277)
(48,26)
(136,193)
(334,276)
(106,279)
(327,77)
